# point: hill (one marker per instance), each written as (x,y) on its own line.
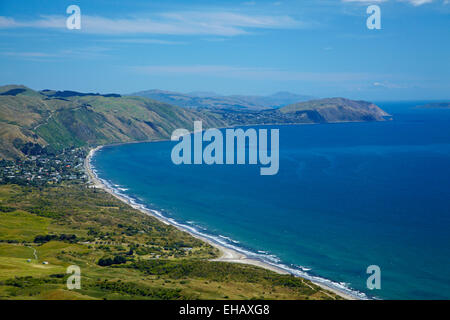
(211,100)
(314,111)
(122,253)
(61,119)
(54,120)
(338,109)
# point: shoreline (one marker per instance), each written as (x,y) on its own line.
(240,126)
(227,254)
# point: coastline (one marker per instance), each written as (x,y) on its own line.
(227,254)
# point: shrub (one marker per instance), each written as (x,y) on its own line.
(105,262)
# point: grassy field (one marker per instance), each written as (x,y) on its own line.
(84,225)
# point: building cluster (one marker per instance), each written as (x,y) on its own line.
(45,168)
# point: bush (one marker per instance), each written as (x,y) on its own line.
(6,209)
(49,237)
(105,262)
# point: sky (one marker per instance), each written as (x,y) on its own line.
(314,47)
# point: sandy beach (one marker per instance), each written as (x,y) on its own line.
(227,254)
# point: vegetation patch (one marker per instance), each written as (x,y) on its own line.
(122,253)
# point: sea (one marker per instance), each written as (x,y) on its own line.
(347,196)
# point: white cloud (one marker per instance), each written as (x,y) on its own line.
(85,53)
(389,85)
(30,54)
(417,3)
(144,41)
(6,22)
(44,22)
(365,1)
(170,23)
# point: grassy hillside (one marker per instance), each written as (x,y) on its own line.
(66,119)
(337,109)
(71,224)
(122,253)
(314,111)
(210,100)
(62,119)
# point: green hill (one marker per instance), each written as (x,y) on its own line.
(61,119)
(213,101)
(66,119)
(122,253)
(313,111)
(338,109)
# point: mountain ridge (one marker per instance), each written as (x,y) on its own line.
(211,100)
(55,120)
(86,119)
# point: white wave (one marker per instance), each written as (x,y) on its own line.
(230,243)
(228,238)
(305,269)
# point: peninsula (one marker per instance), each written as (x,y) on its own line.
(55,212)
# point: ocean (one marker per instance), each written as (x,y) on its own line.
(346,196)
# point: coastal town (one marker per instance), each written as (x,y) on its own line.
(45,169)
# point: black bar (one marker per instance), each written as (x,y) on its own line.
(213,309)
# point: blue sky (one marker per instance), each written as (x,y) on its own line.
(315,47)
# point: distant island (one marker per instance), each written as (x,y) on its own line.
(32,121)
(435,105)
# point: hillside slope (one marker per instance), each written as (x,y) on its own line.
(338,109)
(56,120)
(122,253)
(66,119)
(314,111)
(210,100)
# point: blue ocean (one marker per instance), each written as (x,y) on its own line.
(346,196)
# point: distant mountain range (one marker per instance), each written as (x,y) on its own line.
(211,100)
(52,120)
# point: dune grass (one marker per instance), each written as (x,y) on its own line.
(160,262)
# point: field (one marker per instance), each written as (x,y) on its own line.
(45,230)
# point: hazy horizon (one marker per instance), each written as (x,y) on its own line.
(218,94)
(318,48)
